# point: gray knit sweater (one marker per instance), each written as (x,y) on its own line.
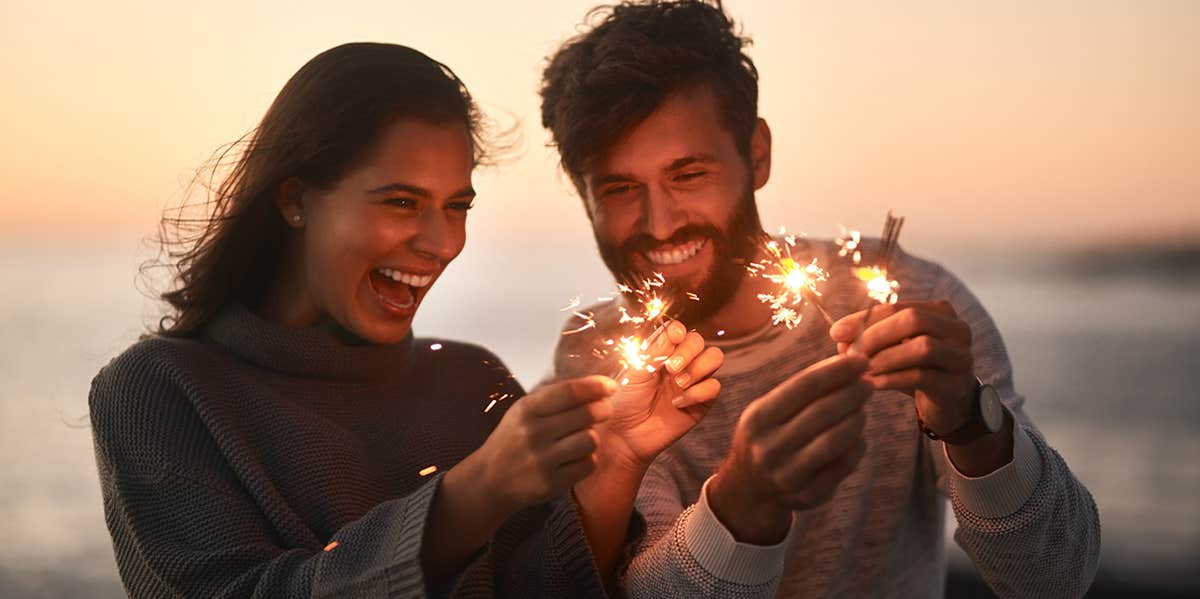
(230,463)
(1031,528)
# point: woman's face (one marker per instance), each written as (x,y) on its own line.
(374,244)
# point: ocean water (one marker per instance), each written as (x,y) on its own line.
(1107,360)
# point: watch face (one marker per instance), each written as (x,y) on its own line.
(991,408)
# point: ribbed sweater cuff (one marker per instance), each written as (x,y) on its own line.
(1002,492)
(406,576)
(569,543)
(715,549)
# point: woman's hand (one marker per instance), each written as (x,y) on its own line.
(654,409)
(545,442)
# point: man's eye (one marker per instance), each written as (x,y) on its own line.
(401,202)
(461,206)
(618,190)
(690,175)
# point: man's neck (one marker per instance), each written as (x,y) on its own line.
(744,313)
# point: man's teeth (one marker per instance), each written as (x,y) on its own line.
(406,278)
(676,255)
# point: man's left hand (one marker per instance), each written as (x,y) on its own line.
(920,348)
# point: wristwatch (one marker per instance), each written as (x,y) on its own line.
(987,417)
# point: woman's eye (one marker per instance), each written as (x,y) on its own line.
(461,206)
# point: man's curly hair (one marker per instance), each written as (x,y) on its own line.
(604,81)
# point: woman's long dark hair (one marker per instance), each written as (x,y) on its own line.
(324,121)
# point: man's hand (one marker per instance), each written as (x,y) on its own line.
(922,349)
(654,409)
(791,449)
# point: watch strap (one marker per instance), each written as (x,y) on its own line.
(969,431)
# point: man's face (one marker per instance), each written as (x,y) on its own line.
(674,196)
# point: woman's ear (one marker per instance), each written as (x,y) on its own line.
(288,200)
(760,153)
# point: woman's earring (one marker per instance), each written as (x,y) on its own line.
(296,218)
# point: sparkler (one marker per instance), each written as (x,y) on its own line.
(880,289)
(649,308)
(797,282)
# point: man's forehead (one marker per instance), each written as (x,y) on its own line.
(685,125)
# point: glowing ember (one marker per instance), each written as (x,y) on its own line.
(435,346)
(798,282)
(849,242)
(332,545)
(721,333)
(879,287)
(428,470)
(633,354)
(645,308)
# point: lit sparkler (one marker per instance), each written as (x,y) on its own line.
(797,282)
(880,288)
(648,308)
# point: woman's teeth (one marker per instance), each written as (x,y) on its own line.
(677,254)
(406,278)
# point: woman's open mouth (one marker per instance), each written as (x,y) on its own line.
(398,291)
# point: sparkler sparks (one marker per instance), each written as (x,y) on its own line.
(849,241)
(797,282)
(647,308)
(879,287)
(428,470)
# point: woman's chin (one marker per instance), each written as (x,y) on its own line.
(379,331)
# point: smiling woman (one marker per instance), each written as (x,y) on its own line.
(283,434)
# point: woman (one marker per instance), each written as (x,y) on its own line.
(283,434)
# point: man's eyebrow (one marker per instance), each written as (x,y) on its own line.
(679,163)
(676,164)
(466,192)
(607,178)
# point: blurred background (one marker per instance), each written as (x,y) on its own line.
(1048,153)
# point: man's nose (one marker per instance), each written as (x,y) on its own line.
(662,215)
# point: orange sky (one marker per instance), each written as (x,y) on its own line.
(1026,121)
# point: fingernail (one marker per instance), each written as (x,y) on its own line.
(610,385)
(683,379)
(674,363)
(677,402)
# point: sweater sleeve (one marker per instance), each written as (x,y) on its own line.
(688,553)
(539,552)
(193,532)
(1031,528)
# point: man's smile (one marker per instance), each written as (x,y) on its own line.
(668,254)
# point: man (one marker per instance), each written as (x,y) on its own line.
(817,472)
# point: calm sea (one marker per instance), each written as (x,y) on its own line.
(1106,357)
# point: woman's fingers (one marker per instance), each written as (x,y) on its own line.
(685,351)
(701,367)
(567,395)
(701,393)
(563,424)
(573,447)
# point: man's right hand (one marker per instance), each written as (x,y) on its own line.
(791,449)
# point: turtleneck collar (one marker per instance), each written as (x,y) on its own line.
(324,350)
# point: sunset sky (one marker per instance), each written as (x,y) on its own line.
(987,123)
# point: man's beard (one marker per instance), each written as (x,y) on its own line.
(733,249)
